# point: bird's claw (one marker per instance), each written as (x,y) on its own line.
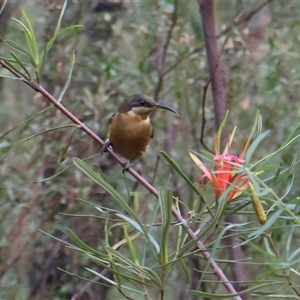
(105,146)
(127,166)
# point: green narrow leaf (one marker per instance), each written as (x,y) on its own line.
(131,246)
(254,145)
(62,12)
(83,245)
(26,121)
(27,35)
(181,173)
(278,172)
(18,61)
(165,201)
(19,48)
(270,221)
(2,6)
(38,134)
(134,220)
(102,277)
(34,44)
(220,131)
(64,154)
(293,163)
(215,247)
(253,289)
(24,27)
(140,229)
(228,144)
(289,184)
(46,131)
(51,41)
(122,258)
(249,139)
(259,124)
(187,271)
(290,234)
(62,93)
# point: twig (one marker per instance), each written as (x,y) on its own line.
(183,222)
(87,286)
(236,23)
(288,278)
(164,52)
(245,18)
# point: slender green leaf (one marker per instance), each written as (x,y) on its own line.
(220,131)
(181,173)
(215,247)
(102,277)
(271,220)
(254,145)
(231,296)
(33,41)
(187,271)
(134,220)
(131,247)
(19,48)
(2,6)
(62,93)
(229,143)
(64,154)
(141,229)
(36,135)
(62,12)
(165,201)
(83,245)
(249,139)
(277,172)
(18,61)
(293,163)
(289,184)
(50,43)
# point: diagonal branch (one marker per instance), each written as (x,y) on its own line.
(182,221)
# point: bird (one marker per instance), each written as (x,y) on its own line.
(130,128)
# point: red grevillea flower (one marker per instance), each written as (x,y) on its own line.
(224,174)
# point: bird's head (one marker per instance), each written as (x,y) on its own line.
(142,105)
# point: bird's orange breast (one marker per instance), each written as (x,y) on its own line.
(130,134)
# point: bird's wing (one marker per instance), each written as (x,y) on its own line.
(111,118)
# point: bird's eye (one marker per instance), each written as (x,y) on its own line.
(142,102)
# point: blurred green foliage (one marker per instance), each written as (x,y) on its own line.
(118,53)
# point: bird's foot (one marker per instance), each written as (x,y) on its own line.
(127,166)
(105,146)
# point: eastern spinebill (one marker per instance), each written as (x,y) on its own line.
(130,128)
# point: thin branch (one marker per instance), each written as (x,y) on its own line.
(237,22)
(244,18)
(78,295)
(161,67)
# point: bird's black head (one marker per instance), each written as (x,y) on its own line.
(141,104)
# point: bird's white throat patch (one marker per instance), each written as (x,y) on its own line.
(139,114)
(141,110)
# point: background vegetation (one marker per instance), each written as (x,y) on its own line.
(119,51)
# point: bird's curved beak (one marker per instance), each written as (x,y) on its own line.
(167,108)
